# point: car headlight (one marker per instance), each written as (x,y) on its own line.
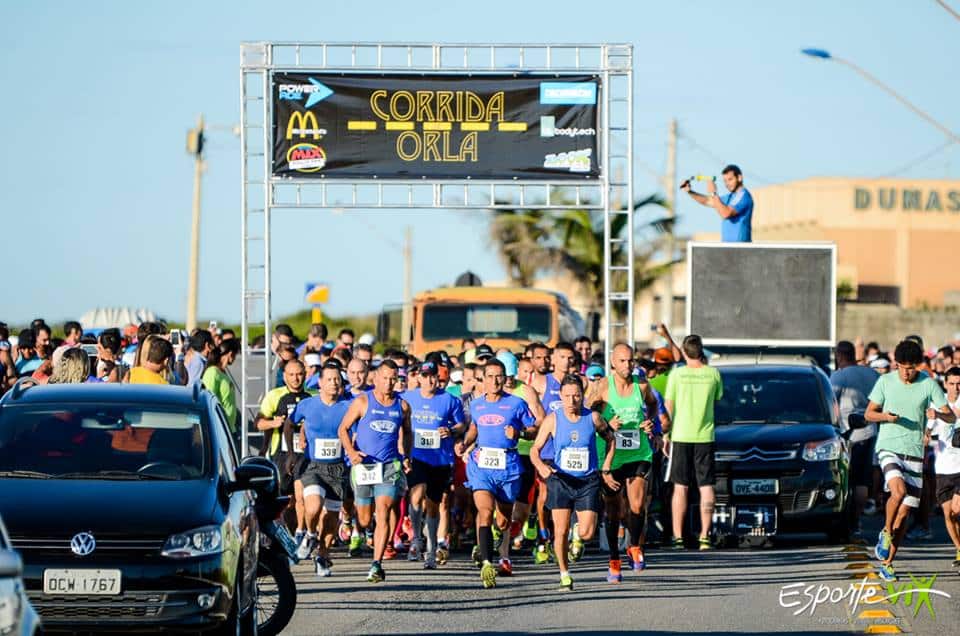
(200,542)
(9,612)
(824,451)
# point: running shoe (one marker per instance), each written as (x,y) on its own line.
(414,553)
(356,543)
(390,553)
(298,537)
(677,544)
(505,567)
(475,555)
(887,573)
(488,575)
(575,553)
(704,543)
(443,555)
(613,572)
(306,546)
(540,554)
(430,562)
(323,567)
(636,558)
(530,529)
(882,549)
(566,583)
(518,542)
(376,573)
(346,531)
(956,559)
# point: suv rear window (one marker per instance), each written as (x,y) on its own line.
(765,397)
(92,441)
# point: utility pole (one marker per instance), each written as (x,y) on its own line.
(195,147)
(670,187)
(407,313)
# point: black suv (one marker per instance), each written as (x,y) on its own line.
(782,454)
(129,508)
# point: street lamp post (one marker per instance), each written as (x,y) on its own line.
(825,55)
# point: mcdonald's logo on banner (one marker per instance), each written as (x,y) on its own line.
(304,124)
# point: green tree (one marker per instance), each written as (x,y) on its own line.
(571,242)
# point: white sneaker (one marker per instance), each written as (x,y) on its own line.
(306,547)
(414,553)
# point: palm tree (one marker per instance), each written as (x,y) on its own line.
(571,242)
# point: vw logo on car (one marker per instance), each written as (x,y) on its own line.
(83,544)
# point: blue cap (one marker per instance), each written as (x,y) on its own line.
(594,371)
(509,362)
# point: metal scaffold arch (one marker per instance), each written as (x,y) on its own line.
(264,191)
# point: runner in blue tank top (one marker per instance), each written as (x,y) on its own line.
(435,417)
(380,456)
(562,360)
(493,470)
(325,473)
(573,483)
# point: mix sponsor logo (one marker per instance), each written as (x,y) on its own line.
(304,157)
(304,124)
(316,91)
(568,93)
(548,128)
(573,161)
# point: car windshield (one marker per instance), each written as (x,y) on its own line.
(518,322)
(769,398)
(91,441)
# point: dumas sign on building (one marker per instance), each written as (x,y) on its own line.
(907,199)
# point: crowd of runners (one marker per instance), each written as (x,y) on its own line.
(533,452)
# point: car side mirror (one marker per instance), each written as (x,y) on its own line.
(257,474)
(11,565)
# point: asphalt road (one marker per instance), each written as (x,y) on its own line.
(723,591)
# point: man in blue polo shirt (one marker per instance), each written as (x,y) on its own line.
(735,208)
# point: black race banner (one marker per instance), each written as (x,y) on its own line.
(404,126)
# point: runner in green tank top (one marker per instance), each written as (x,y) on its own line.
(624,402)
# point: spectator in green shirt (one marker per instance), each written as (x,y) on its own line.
(217,381)
(691,393)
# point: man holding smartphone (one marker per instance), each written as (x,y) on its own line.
(735,209)
(899,403)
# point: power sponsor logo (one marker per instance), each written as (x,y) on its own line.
(572,161)
(305,157)
(316,91)
(568,93)
(304,124)
(548,128)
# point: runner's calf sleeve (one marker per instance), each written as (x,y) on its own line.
(433,523)
(612,530)
(485,541)
(635,525)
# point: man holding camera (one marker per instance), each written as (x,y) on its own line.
(735,208)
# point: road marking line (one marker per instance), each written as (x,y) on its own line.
(860,565)
(883,629)
(856,557)
(878,613)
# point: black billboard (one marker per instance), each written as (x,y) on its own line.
(412,126)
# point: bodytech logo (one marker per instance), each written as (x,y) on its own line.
(548,128)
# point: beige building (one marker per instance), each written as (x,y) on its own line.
(895,237)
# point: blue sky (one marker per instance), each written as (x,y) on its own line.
(95,185)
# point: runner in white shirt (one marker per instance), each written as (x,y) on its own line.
(945,439)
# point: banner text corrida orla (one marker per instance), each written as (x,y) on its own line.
(436,126)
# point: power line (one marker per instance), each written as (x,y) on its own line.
(697,146)
(949,9)
(920,159)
